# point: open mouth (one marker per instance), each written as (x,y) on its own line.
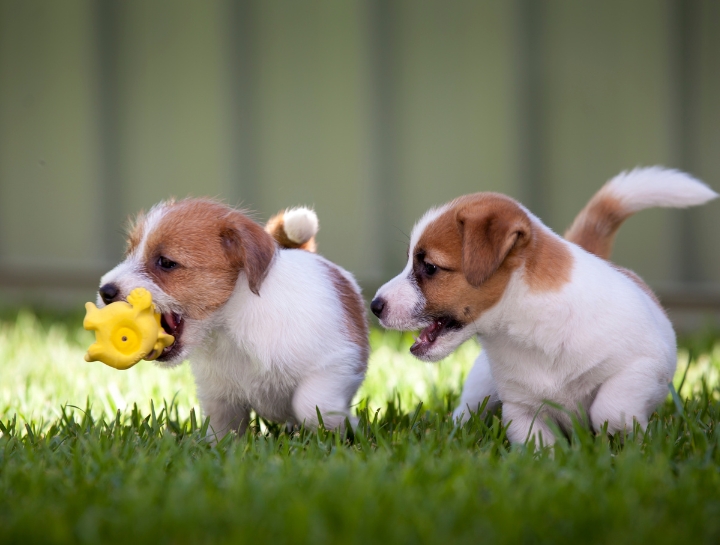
(431,333)
(173,324)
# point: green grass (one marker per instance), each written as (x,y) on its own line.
(93,455)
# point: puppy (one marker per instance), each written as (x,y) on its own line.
(267,324)
(556,320)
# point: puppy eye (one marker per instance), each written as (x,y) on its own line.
(429,268)
(165,263)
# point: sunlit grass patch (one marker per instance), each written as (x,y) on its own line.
(112,472)
(404,476)
(395,373)
(697,371)
(42,369)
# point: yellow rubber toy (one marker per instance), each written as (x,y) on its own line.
(126,332)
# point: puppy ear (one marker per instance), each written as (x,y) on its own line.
(489,234)
(248,248)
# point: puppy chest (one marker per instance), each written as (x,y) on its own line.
(235,376)
(533,380)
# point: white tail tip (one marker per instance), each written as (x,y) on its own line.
(300,224)
(657,186)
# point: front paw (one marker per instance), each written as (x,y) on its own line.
(461,415)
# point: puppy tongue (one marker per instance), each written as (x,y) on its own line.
(170,320)
(430,333)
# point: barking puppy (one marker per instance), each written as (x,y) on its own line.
(556,320)
(265,326)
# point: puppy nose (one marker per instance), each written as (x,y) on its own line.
(377,306)
(108,293)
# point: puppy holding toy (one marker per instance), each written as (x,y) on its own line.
(556,320)
(266,323)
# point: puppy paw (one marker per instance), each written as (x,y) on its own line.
(461,415)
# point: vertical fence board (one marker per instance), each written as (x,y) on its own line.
(370,111)
(174,128)
(608,108)
(48,165)
(313,121)
(455,106)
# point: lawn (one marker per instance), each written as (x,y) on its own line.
(93,455)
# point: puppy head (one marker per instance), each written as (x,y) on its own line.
(189,255)
(460,261)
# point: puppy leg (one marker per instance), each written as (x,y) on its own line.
(633,393)
(329,393)
(526,424)
(478,385)
(225,416)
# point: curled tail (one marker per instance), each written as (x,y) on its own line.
(595,226)
(294,228)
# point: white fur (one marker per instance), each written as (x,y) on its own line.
(130,274)
(656,186)
(407,299)
(479,384)
(420,226)
(600,344)
(300,224)
(282,353)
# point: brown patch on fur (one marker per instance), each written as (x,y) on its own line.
(595,226)
(353,309)
(250,248)
(490,227)
(594,230)
(478,243)
(275,227)
(639,282)
(449,242)
(549,262)
(211,243)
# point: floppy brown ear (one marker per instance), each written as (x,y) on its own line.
(249,248)
(489,234)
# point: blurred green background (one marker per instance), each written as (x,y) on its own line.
(370,111)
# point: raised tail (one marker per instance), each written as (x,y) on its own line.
(595,226)
(294,228)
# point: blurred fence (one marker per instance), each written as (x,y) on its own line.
(371,111)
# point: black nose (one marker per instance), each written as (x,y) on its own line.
(377,306)
(108,293)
